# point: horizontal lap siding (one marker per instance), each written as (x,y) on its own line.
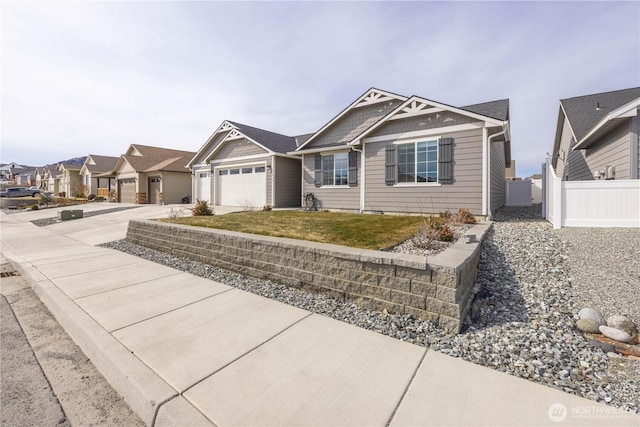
(611,150)
(498,181)
(565,152)
(465,192)
(288,173)
(175,186)
(330,198)
(238,148)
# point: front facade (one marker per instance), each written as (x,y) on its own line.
(152,175)
(390,153)
(597,137)
(244,166)
(96,175)
(70,179)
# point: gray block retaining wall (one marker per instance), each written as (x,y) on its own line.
(437,288)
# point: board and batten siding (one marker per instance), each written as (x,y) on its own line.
(465,192)
(287,182)
(497,181)
(266,161)
(346,197)
(175,186)
(613,149)
(353,124)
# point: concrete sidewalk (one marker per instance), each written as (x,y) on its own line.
(183,350)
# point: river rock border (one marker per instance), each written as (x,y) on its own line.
(437,288)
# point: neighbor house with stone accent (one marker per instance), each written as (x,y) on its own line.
(392,153)
(597,137)
(241,165)
(97,175)
(153,175)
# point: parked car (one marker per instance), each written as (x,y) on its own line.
(33,187)
(19,192)
(4,181)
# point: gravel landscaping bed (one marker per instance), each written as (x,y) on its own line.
(522,321)
(48,221)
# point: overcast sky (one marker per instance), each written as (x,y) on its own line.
(82,78)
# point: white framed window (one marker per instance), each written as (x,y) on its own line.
(335,169)
(224,172)
(247,170)
(418,162)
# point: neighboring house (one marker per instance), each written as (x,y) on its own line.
(390,153)
(41,178)
(9,170)
(240,165)
(52,178)
(70,179)
(26,177)
(597,137)
(153,175)
(96,175)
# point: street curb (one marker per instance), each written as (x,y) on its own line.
(143,390)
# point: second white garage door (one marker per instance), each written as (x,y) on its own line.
(242,186)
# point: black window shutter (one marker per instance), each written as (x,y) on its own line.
(353,168)
(318,170)
(445,161)
(390,165)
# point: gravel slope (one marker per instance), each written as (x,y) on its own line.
(521,322)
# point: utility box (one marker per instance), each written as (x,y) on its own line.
(67,214)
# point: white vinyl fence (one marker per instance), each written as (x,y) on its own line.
(610,203)
(518,193)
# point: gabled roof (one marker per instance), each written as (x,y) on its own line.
(370,97)
(586,114)
(273,141)
(267,140)
(98,164)
(495,109)
(145,158)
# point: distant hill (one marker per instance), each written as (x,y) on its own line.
(74,161)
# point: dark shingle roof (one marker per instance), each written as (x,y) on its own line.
(495,109)
(582,111)
(273,141)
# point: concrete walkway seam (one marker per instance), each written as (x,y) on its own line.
(404,393)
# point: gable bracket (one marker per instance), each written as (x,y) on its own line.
(373,98)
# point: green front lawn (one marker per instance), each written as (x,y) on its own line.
(354,230)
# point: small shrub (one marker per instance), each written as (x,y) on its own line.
(99,199)
(91,196)
(201,208)
(34,207)
(62,194)
(464,216)
(80,195)
(266,208)
(445,233)
(446,214)
(45,198)
(175,212)
(248,206)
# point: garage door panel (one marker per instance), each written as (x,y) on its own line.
(203,186)
(127,190)
(242,186)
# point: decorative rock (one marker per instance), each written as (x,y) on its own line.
(623,323)
(615,334)
(607,348)
(588,325)
(590,313)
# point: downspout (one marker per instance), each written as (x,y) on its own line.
(488,192)
(361,177)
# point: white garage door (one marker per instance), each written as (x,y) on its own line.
(243,186)
(203,186)
(127,190)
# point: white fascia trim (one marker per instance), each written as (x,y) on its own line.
(323,150)
(627,110)
(287,156)
(239,159)
(349,108)
(416,113)
(485,151)
(224,126)
(226,139)
(426,132)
